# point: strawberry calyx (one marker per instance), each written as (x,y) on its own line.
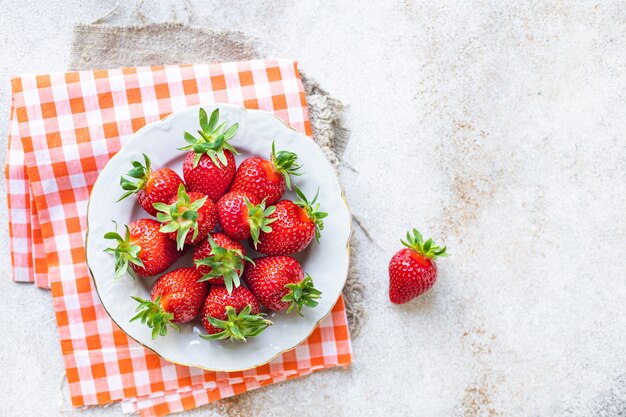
(180,217)
(427,248)
(238,327)
(312,209)
(301,294)
(284,162)
(152,314)
(213,139)
(139,176)
(126,253)
(227,263)
(259,219)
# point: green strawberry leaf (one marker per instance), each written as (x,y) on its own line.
(212,140)
(180,216)
(284,162)
(415,241)
(124,253)
(312,209)
(302,294)
(152,314)
(139,176)
(226,263)
(238,327)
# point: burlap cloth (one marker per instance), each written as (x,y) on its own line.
(97,46)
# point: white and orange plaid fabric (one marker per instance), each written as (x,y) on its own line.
(64,128)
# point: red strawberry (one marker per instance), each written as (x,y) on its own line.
(242,216)
(221,260)
(294,226)
(267,180)
(232,316)
(278,282)
(150,186)
(210,167)
(144,251)
(412,271)
(186,212)
(176,297)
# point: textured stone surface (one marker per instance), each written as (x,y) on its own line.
(497,128)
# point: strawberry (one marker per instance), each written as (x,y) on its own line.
(412,271)
(221,260)
(233,316)
(150,186)
(242,216)
(278,282)
(185,212)
(294,225)
(267,180)
(176,297)
(210,166)
(144,251)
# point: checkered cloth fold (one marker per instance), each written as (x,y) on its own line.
(64,127)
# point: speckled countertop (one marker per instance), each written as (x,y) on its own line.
(499,129)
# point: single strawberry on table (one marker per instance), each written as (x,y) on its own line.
(187,212)
(233,316)
(144,250)
(279,283)
(221,260)
(412,270)
(294,225)
(176,297)
(242,215)
(210,166)
(267,180)
(150,186)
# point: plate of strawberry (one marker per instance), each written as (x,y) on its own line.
(218,237)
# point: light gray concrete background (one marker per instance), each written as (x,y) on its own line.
(499,129)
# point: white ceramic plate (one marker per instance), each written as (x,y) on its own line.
(326,262)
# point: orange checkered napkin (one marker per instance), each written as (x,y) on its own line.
(64,128)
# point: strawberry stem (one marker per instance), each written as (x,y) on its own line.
(213,139)
(180,217)
(238,327)
(125,253)
(154,316)
(140,174)
(427,248)
(302,294)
